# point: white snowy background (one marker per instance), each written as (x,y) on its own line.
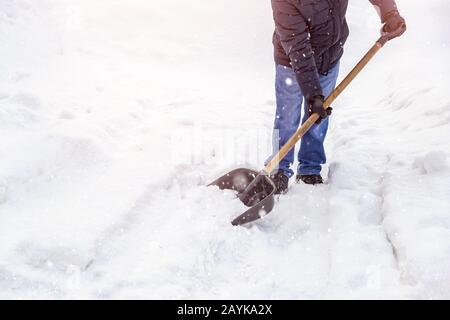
(114,115)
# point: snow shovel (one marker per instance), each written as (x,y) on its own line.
(256,189)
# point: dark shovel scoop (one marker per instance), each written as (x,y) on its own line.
(255,190)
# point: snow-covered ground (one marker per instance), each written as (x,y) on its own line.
(114,115)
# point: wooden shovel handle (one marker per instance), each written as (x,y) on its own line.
(273,164)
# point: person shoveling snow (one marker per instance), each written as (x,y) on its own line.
(308,39)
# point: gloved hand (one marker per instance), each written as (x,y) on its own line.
(315,105)
(393,21)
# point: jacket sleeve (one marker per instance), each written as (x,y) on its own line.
(384,7)
(292,29)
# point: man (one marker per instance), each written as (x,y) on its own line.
(309,38)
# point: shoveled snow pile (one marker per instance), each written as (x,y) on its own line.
(115,115)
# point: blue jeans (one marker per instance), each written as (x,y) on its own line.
(290,99)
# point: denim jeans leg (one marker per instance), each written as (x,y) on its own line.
(289,101)
(312,155)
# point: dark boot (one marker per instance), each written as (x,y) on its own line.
(281,182)
(310,179)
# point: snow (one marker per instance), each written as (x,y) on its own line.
(115,115)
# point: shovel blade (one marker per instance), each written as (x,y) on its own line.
(258,211)
(237,180)
(255,190)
